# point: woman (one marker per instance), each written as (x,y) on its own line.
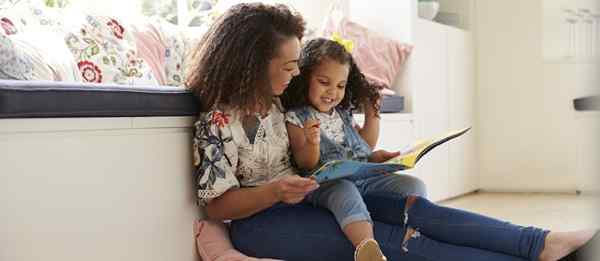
(243,168)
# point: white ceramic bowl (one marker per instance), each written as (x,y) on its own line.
(428,9)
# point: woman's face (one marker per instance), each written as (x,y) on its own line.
(284,66)
(327,85)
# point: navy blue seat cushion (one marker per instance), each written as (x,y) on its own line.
(392,104)
(30,99)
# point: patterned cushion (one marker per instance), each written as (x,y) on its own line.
(30,15)
(167,48)
(175,54)
(105,52)
(7,26)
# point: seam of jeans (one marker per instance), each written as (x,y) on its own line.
(441,222)
(354,218)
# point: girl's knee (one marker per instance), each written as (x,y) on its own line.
(418,187)
(345,186)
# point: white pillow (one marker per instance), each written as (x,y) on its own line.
(15,64)
(37,56)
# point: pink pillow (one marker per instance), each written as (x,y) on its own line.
(379,58)
(212,241)
(151,48)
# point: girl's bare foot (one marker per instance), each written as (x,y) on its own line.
(559,244)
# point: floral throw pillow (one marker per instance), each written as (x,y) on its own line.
(30,15)
(175,54)
(7,26)
(105,52)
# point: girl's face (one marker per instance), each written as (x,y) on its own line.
(328,84)
(284,66)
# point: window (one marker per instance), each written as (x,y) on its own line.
(185,13)
(179,12)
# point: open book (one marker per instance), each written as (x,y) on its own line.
(408,158)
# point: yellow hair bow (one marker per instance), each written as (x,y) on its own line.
(348,44)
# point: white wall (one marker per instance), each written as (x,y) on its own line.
(314,11)
(394,19)
(527,122)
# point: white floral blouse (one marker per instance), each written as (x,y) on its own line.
(226,157)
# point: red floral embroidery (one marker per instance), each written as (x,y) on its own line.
(90,72)
(8,26)
(117,29)
(220,119)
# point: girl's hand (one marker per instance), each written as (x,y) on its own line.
(312,131)
(380,156)
(367,105)
(293,189)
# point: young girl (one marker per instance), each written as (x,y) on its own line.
(321,128)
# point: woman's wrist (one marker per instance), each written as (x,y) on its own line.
(272,192)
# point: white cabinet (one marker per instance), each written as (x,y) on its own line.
(444,100)
(463,163)
(431,102)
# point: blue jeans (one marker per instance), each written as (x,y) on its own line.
(344,198)
(304,232)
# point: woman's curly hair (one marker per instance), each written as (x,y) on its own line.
(230,64)
(358,89)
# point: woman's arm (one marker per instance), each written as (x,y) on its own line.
(370,130)
(305,143)
(244,202)
(240,203)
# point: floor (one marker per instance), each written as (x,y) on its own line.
(551,211)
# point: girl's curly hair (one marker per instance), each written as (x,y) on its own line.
(358,89)
(230,64)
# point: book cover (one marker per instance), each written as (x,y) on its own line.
(356,170)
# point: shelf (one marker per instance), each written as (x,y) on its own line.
(441,24)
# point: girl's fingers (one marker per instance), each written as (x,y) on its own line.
(311,123)
(394,154)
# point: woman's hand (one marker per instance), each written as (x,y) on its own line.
(380,156)
(312,131)
(293,189)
